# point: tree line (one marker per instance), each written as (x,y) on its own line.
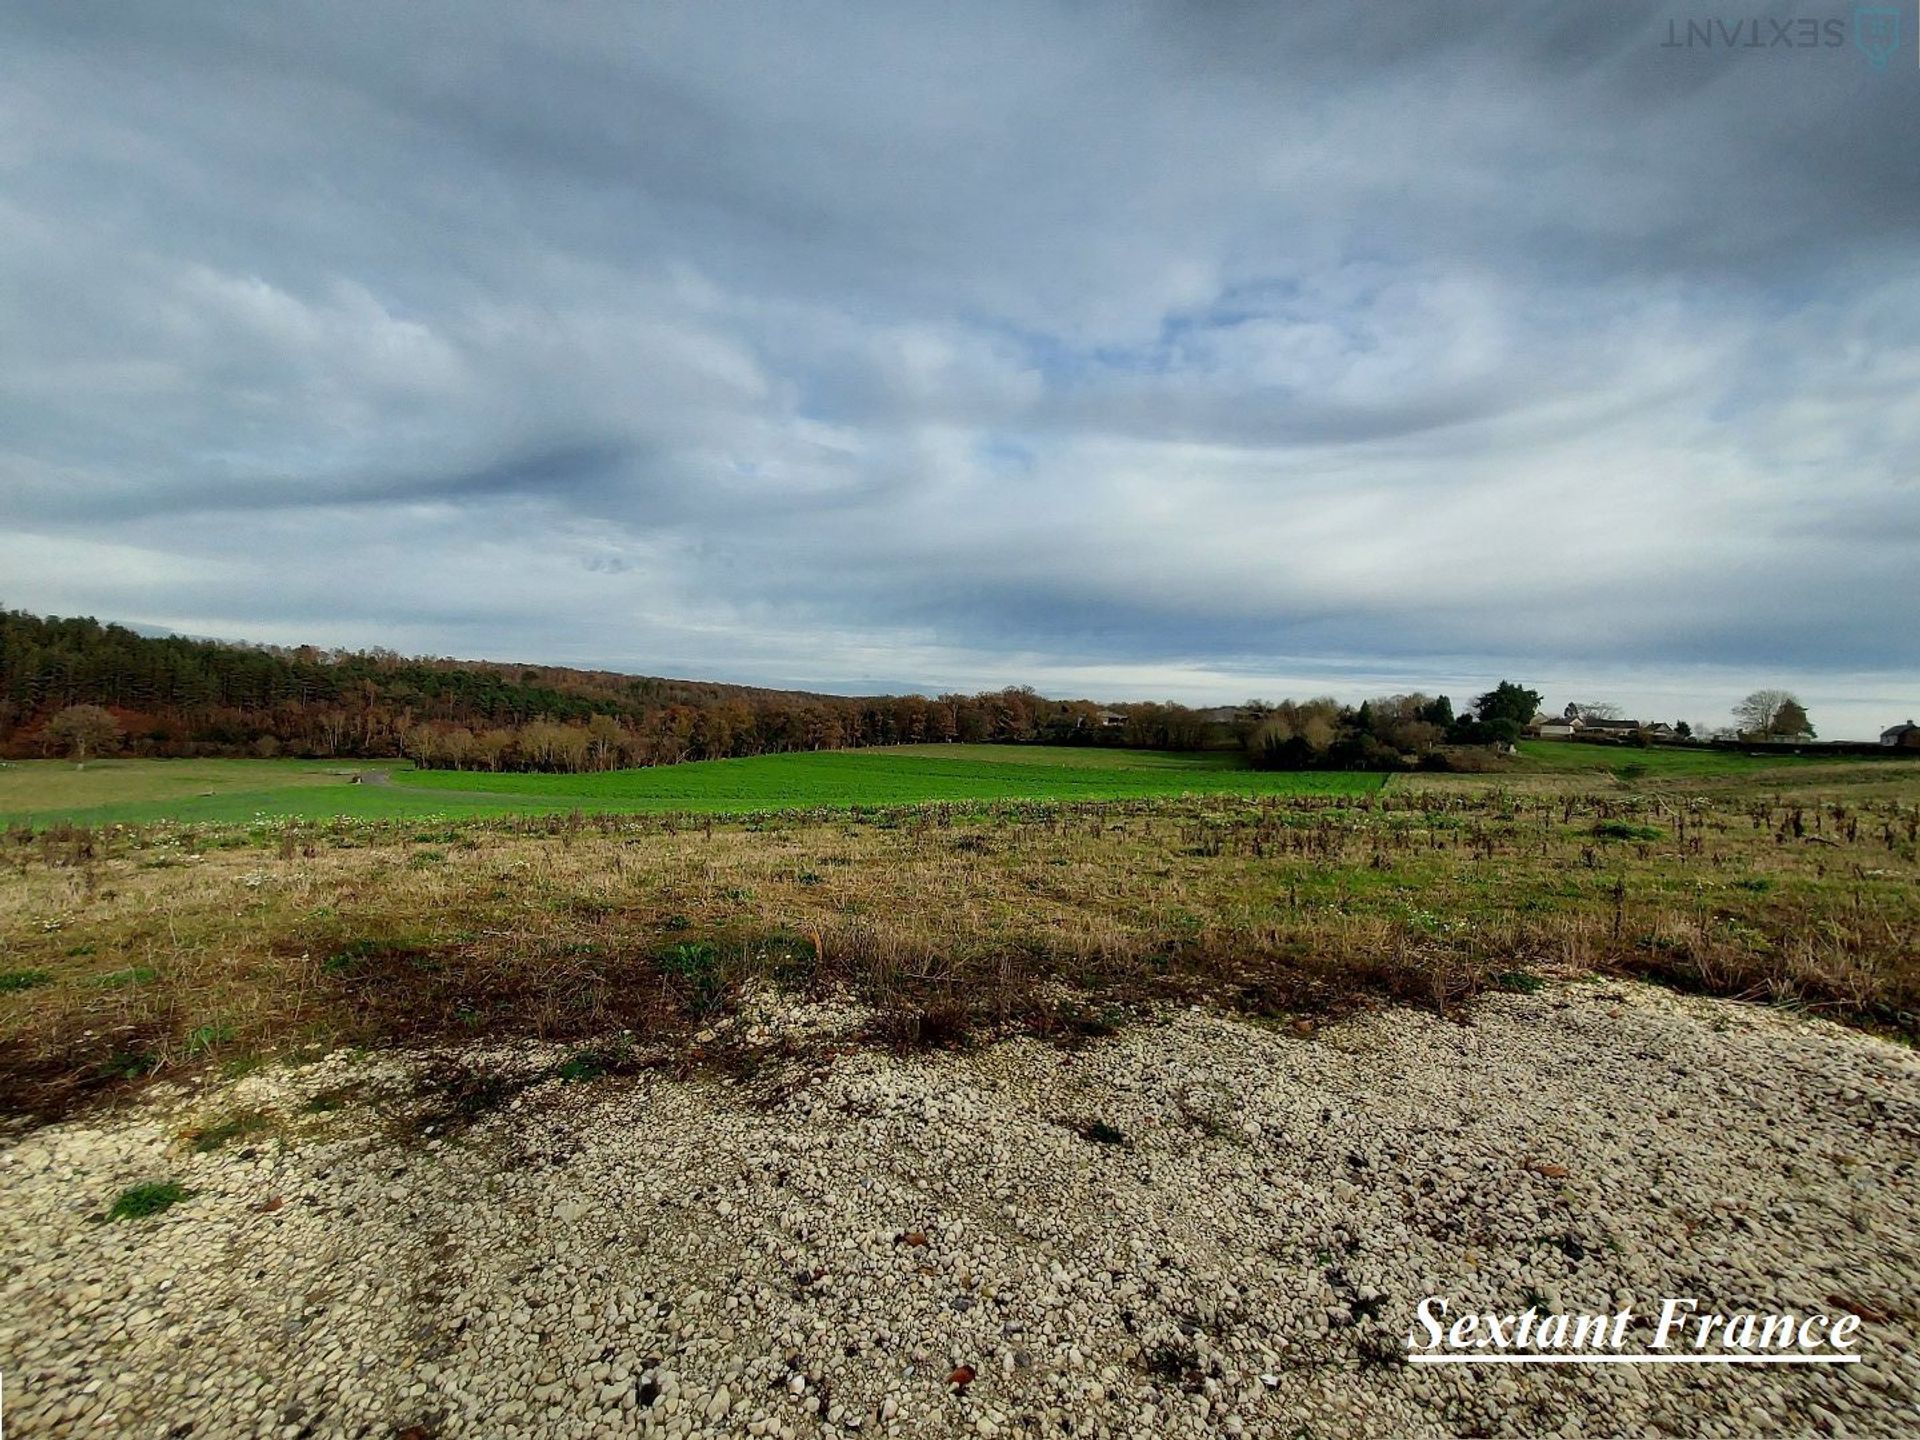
(77,687)
(175,696)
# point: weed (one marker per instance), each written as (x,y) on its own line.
(129,1064)
(235,1127)
(589,1064)
(692,960)
(208,1037)
(1625,830)
(138,1202)
(1518,982)
(12,981)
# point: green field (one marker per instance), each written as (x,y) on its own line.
(40,792)
(1627,762)
(138,791)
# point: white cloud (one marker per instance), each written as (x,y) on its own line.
(1150,355)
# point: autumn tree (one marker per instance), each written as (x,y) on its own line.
(83,730)
(605,742)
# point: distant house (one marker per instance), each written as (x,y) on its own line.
(1112,719)
(1571,723)
(1906,736)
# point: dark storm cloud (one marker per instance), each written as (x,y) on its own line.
(1117,346)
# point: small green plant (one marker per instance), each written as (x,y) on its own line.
(208,1037)
(348,956)
(696,963)
(690,960)
(343,960)
(235,1127)
(129,1064)
(1518,982)
(581,1066)
(132,975)
(13,981)
(137,1202)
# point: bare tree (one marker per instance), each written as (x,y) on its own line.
(1597,710)
(1772,715)
(83,730)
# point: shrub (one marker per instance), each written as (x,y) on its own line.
(1625,830)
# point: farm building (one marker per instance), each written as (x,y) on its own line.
(1572,722)
(1906,736)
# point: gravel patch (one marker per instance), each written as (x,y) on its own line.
(1200,1226)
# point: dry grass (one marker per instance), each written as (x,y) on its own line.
(154,951)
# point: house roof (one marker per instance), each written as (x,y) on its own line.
(1898,730)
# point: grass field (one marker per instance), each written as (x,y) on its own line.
(138,791)
(157,950)
(40,792)
(1108,879)
(1563,757)
(56,788)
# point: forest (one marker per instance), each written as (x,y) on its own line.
(174,696)
(74,686)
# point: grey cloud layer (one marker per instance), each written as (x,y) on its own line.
(812,341)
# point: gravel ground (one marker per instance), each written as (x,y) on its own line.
(835,1244)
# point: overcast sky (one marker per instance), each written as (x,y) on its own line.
(1192,351)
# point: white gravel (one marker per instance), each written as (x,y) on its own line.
(647,1255)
